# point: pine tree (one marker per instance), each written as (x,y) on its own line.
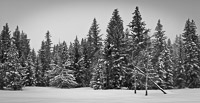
(178,54)
(48,43)
(17,40)
(5,44)
(75,59)
(64,52)
(85,63)
(13,77)
(42,62)
(115,44)
(94,44)
(38,75)
(62,76)
(29,76)
(33,56)
(94,37)
(191,62)
(138,33)
(24,46)
(166,64)
(159,49)
(45,56)
(138,43)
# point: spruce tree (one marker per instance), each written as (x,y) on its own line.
(159,47)
(115,39)
(178,54)
(166,64)
(13,77)
(5,44)
(28,77)
(42,60)
(38,75)
(48,43)
(92,46)
(33,56)
(191,62)
(24,46)
(17,40)
(138,44)
(76,55)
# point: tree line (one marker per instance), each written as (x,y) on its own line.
(103,64)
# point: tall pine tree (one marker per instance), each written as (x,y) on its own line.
(191,62)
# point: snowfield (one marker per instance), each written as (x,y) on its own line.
(88,95)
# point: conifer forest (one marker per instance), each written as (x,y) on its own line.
(129,57)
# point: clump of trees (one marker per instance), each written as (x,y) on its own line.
(103,64)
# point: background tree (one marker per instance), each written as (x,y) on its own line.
(159,44)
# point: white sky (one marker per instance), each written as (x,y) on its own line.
(67,18)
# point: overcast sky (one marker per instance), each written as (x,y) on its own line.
(67,18)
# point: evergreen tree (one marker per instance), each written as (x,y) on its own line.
(17,40)
(5,44)
(48,43)
(93,37)
(115,39)
(159,48)
(13,77)
(62,76)
(24,47)
(85,63)
(45,56)
(191,62)
(42,62)
(138,33)
(33,56)
(94,43)
(178,54)
(75,59)
(64,52)
(138,43)
(29,76)
(38,75)
(166,64)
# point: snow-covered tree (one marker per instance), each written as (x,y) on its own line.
(98,75)
(114,51)
(13,77)
(165,62)
(178,55)
(5,44)
(191,62)
(138,42)
(159,44)
(38,76)
(28,76)
(17,40)
(62,75)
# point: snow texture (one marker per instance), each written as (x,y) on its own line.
(88,95)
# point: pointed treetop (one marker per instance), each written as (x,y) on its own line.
(159,26)
(17,29)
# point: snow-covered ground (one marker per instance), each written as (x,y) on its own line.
(88,95)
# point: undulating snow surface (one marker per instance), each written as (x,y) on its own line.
(88,95)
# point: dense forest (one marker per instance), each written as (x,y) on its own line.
(103,64)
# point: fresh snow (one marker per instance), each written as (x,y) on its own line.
(88,95)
